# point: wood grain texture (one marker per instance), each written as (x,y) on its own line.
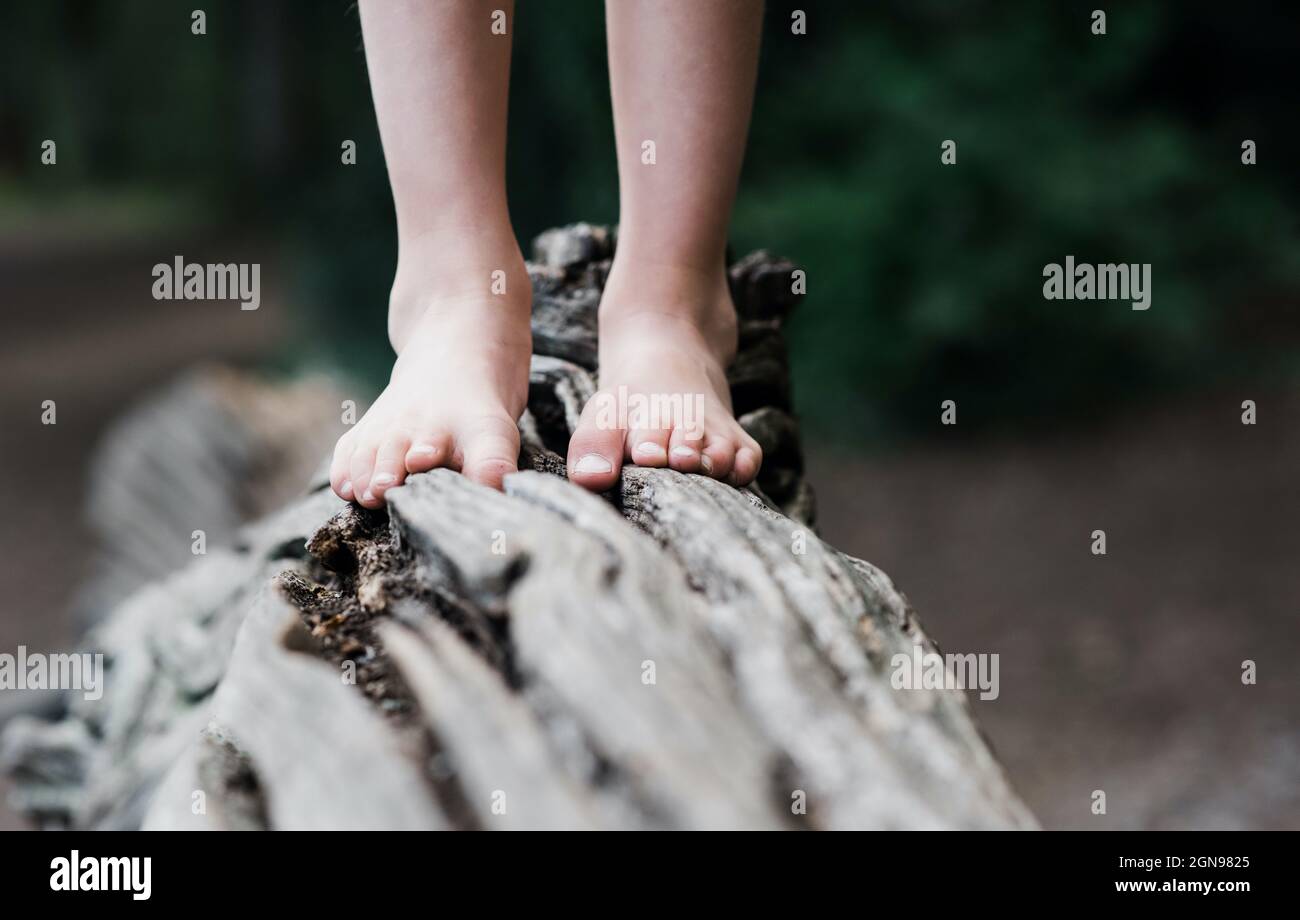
(675,654)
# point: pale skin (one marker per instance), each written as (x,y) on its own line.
(681,75)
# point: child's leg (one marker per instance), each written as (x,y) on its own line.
(682,77)
(439,76)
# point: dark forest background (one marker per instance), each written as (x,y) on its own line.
(924,280)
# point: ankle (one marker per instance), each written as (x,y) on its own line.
(640,289)
(448,278)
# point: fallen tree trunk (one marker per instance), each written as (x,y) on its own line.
(679,654)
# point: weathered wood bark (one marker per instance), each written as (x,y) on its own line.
(662,657)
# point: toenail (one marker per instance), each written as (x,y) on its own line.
(650,449)
(682,450)
(705,463)
(368,496)
(384,479)
(346,488)
(593,463)
(424,449)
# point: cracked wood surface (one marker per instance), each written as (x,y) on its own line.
(677,654)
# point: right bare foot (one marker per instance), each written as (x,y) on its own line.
(458,386)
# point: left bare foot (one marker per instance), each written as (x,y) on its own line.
(667,335)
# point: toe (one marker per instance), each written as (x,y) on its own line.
(428,452)
(363,465)
(390,463)
(648,446)
(341,469)
(491,450)
(596,449)
(718,458)
(748,461)
(684,451)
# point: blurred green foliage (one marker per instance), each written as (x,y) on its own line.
(924,280)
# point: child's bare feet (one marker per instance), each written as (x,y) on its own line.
(682,80)
(440,74)
(667,335)
(458,386)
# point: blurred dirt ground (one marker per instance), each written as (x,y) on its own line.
(82,329)
(1119,673)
